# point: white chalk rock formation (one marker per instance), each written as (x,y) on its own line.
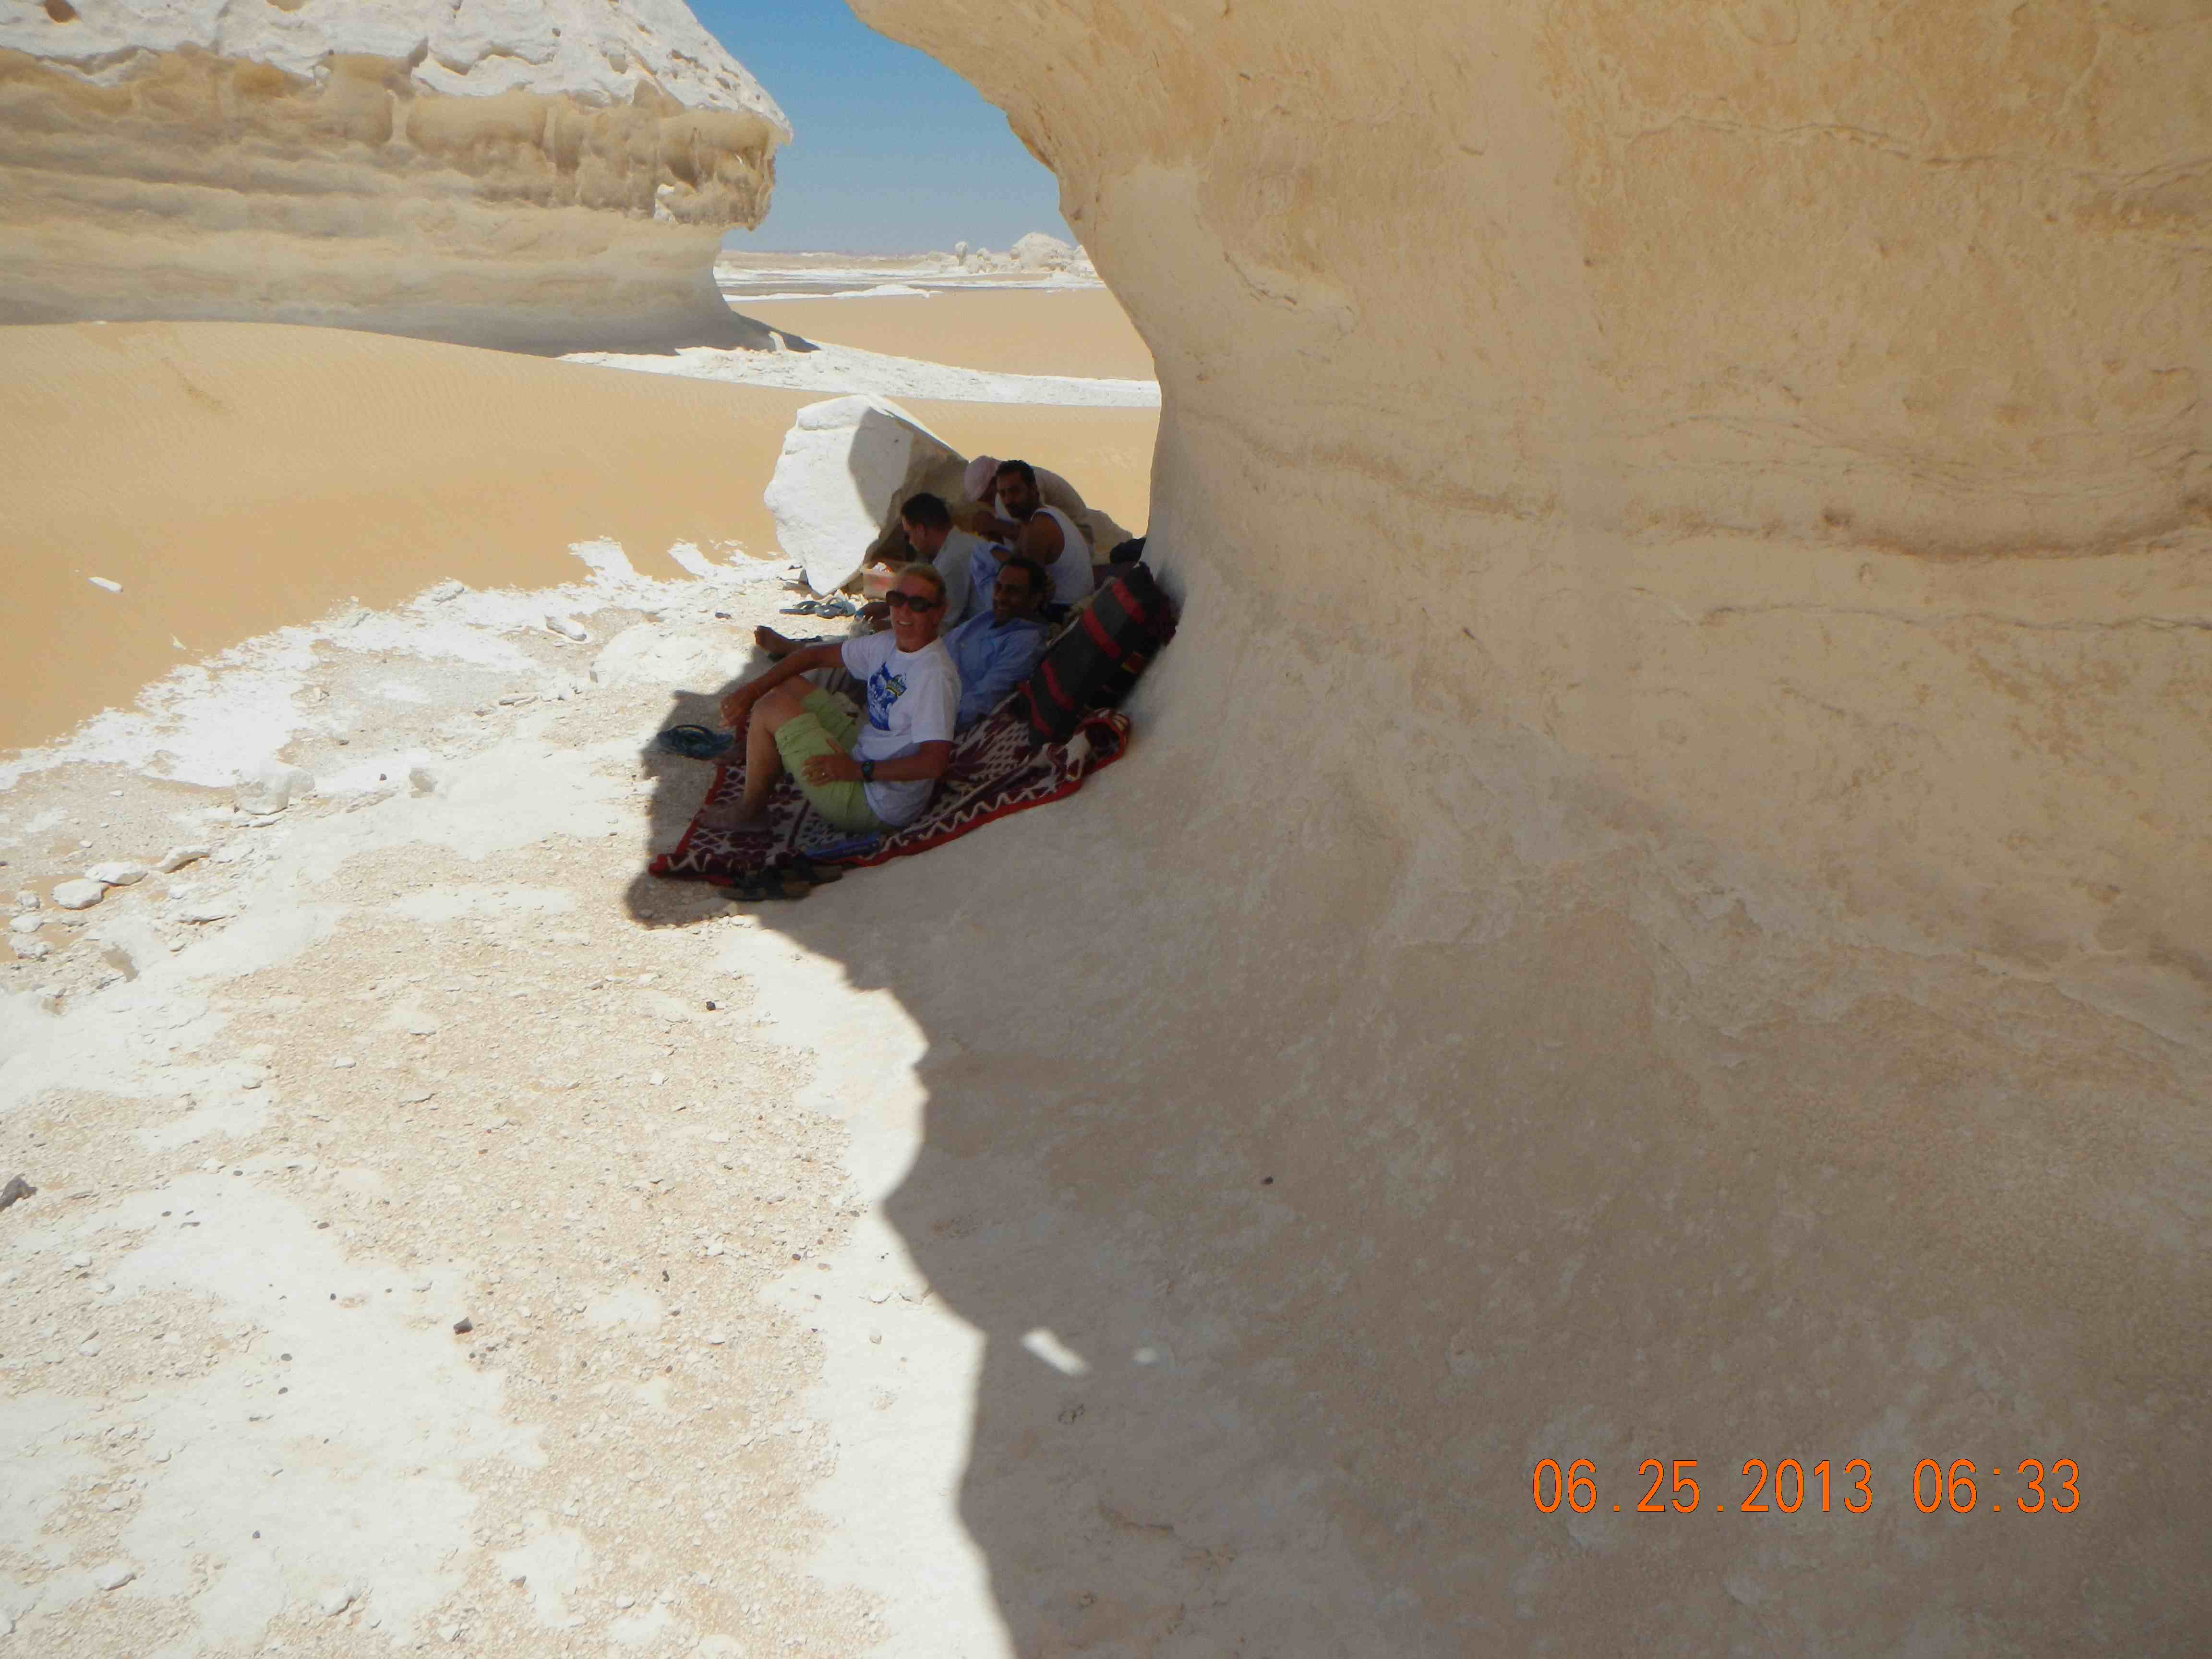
(530,173)
(1658,909)
(847,464)
(1038,251)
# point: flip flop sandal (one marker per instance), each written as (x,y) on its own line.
(804,608)
(768,886)
(836,608)
(694,742)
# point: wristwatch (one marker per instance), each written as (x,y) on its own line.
(867,771)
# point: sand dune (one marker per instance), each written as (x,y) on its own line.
(1016,331)
(233,476)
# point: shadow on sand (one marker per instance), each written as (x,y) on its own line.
(1357,1185)
(1122,1143)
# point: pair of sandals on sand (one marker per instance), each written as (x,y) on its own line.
(786,881)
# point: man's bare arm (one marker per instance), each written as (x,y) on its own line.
(927,762)
(1042,540)
(737,706)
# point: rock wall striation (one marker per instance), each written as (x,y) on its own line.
(543,174)
(1659,908)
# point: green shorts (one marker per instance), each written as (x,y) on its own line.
(830,726)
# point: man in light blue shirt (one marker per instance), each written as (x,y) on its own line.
(994,652)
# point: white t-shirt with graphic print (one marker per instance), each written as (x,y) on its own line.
(913,698)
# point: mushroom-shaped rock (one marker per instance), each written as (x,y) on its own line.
(533,174)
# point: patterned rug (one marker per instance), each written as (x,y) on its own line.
(997,768)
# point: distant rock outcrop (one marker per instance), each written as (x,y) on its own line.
(532,174)
(1035,252)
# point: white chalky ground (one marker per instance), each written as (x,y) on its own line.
(438,1055)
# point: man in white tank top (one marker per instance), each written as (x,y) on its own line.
(1044,533)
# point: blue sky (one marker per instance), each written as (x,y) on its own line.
(895,153)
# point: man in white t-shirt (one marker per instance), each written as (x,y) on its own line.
(861,770)
(1031,527)
(926,525)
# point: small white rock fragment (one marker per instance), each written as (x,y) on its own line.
(568,627)
(24,924)
(117,873)
(27,900)
(415,1096)
(445,592)
(273,787)
(334,1602)
(217,907)
(79,894)
(343,1063)
(114,1574)
(102,582)
(178,857)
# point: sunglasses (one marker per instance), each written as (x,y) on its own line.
(898,601)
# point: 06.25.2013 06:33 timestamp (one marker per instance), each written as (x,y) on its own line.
(1671,1488)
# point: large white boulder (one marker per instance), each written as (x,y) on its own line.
(529,173)
(846,467)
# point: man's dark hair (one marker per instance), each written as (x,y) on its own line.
(1038,585)
(927,512)
(1021,469)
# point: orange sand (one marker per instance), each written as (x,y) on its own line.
(237,476)
(1009,331)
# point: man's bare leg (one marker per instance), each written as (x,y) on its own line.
(776,645)
(763,762)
